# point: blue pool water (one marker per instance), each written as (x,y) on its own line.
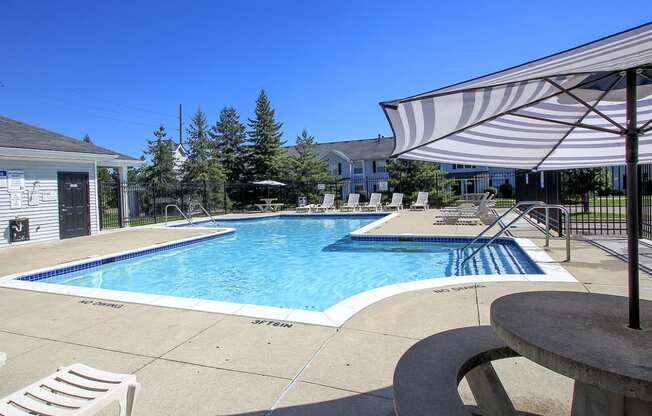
(303,263)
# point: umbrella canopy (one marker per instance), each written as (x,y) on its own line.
(578,108)
(269,183)
(563,111)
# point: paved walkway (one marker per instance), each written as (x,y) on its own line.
(26,257)
(193,363)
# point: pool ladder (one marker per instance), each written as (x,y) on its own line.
(531,206)
(187,218)
(180,212)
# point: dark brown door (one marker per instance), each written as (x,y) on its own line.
(74,205)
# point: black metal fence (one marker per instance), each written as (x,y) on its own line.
(595,197)
(147,203)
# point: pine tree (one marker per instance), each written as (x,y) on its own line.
(160,170)
(229,136)
(412,176)
(87,139)
(266,157)
(307,166)
(201,165)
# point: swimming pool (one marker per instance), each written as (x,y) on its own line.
(308,263)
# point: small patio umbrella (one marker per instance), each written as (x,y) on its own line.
(269,183)
(574,109)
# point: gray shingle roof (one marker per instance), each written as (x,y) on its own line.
(19,135)
(364,149)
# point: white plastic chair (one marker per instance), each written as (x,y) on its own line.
(76,390)
(328,204)
(352,204)
(421,202)
(396,202)
(374,202)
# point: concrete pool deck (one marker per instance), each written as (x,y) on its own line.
(212,364)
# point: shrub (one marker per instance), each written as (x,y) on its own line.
(506,190)
(492,191)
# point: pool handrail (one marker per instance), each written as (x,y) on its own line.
(178,209)
(197,204)
(547,207)
(497,220)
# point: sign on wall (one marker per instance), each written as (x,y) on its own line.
(15,180)
(47,196)
(15,200)
(382,186)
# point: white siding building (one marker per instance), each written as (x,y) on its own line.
(50,180)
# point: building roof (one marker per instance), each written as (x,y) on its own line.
(363,149)
(18,135)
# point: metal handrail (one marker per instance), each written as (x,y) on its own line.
(197,204)
(547,207)
(497,220)
(178,209)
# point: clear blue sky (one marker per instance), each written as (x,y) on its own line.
(115,70)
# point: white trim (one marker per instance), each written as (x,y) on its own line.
(335,316)
(369,227)
(37,154)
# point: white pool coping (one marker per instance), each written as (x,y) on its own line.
(335,316)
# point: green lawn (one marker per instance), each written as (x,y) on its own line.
(597,216)
(608,201)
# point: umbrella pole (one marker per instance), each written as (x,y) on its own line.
(631,150)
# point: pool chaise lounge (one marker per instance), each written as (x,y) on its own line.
(421,202)
(374,203)
(352,204)
(76,390)
(327,205)
(396,202)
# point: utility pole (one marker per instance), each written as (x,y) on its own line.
(180,125)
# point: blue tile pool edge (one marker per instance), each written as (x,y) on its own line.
(335,316)
(84,265)
(506,241)
(294,216)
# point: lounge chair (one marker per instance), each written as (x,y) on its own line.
(374,203)
(421,202)
(327,205)
(465,214)
(302,204)
(76,390)
(352,204)
(396,203)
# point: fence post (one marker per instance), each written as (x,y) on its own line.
(639,202)
(226,208)
(100,208)
(118,193)
(155,205)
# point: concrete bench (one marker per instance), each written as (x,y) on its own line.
(427,376)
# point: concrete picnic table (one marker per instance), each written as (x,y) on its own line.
(585,337)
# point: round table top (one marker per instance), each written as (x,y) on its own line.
(581,335)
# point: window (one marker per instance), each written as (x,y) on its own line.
(339,169)
(458,166)
(358,188)
(358,167)
(333,169)
(380,166)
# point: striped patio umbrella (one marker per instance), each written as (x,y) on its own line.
(584,107)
